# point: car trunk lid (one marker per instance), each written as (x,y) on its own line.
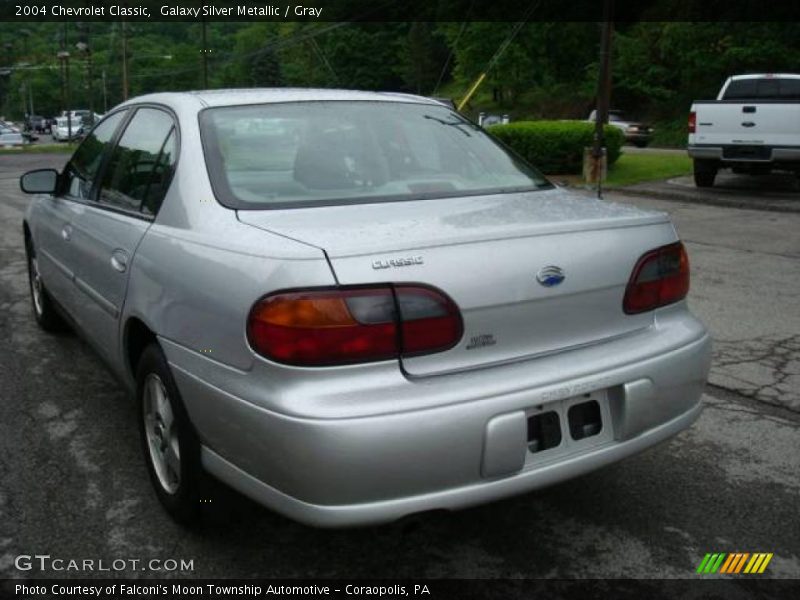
(490,254)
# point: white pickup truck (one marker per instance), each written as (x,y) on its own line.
(752,127)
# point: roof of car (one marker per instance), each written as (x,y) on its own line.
(765,76)
(234,97)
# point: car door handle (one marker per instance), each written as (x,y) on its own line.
(66,233)
(119,260)
(748,124)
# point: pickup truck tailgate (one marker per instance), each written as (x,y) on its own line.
(760,123)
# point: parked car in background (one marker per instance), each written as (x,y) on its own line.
(9,127)
(67,130)
(355,306)
(29,135)
(636,133)
(88,117)
(37,124)
(9,137)
(752,127)
(487,120)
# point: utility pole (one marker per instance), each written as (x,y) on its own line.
(60,56)
(84,46)
(69,102)
(603,93)
(25,33)
(205,56)
(124,61)
(63,57)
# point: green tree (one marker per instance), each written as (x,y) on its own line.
(421,55)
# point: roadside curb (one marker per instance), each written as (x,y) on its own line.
(767,204)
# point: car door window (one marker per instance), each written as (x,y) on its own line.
(140,166)
(162,175)
(82,169)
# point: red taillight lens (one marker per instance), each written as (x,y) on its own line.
(660,277)
(692,122)
(351,325)
(430,321)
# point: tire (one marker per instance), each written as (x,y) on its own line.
(704,173)
(640,144)
(44,310)
(169,443)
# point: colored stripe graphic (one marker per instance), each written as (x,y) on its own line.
(710,563)
(703,563)
(727,564)
(734,562)
(735,557)
(730,564)
(754,563)
(764,564)
(716,565)
(740,564)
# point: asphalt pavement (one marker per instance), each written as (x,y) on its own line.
(73,483)
(773,192)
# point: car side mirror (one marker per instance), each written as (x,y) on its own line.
(40,181)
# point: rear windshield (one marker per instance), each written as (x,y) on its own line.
(764,88)
(317,153)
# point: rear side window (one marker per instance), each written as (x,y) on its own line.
(790,89)
(140,167)
(765,88)
(85,163)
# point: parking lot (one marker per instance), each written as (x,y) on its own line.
(73,483)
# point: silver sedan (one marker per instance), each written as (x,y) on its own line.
(355,306)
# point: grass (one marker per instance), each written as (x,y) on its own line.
(637,168)
(40,149)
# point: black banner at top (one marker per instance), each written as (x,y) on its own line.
(396,10)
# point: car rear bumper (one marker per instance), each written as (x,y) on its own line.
(361,470)
(721,153)
(367,513)
(637,137)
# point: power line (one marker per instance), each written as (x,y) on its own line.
(297,38)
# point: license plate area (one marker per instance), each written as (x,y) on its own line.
(568,426)
(747,153)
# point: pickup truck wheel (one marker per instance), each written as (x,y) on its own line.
(704,173)
(169,443)
(44,311)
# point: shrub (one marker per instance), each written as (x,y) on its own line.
(671,134)
(556,147)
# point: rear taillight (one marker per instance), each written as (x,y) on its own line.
(660,277)
(692,122)
(345,325)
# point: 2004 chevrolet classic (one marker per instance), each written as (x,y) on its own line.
(355,306)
